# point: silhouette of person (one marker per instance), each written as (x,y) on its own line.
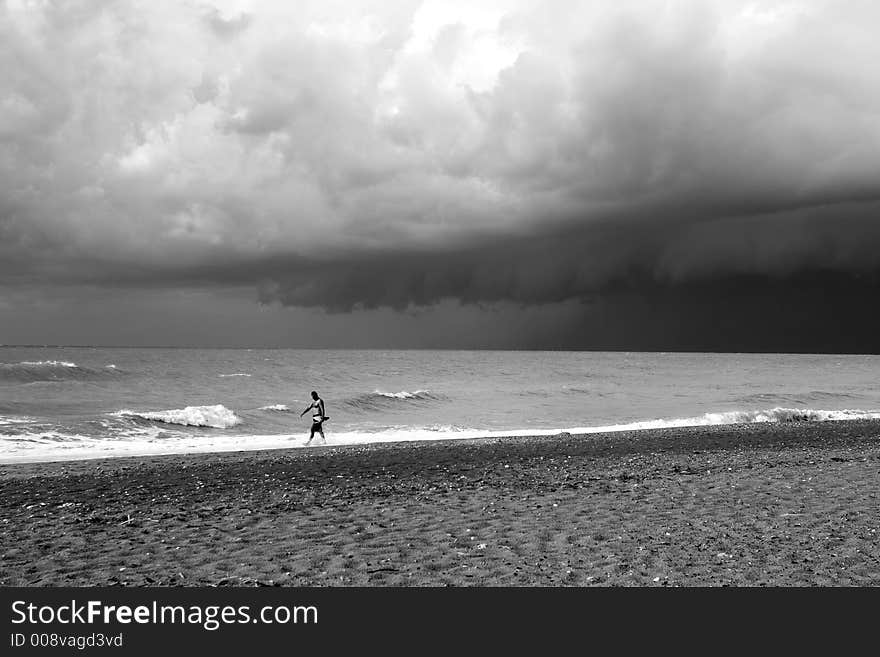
(318,417)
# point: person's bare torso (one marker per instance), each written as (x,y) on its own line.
(318,406)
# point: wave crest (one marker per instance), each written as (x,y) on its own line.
(217,416)
(30,371)
(380,400)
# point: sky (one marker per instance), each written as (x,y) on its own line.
(659,175)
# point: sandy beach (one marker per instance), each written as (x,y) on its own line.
(762,504)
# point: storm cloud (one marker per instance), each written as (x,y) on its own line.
(628,164)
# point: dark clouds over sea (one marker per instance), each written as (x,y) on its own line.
(685,175)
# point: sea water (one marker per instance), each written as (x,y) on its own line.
(63,403)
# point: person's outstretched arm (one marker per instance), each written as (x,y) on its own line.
(308,408)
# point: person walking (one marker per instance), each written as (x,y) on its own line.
(318,417)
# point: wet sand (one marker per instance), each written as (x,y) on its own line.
(772,504)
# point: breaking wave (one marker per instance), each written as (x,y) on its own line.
(418,394)
(275,407)
(740,417)
(789,415)
(226,376)
(217,417)
(379,400)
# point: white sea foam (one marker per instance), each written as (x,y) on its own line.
(275,407)
(224,376)
(42,444)
(48,363)
(217,416)
(403,394)
(745,417)
(14,419)
(52,446)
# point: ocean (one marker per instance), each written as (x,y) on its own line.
(60,403)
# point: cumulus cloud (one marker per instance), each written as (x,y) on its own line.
(348,155)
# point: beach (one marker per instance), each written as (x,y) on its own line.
(793,503)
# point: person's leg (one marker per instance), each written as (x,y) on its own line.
(311,435)
(321,429)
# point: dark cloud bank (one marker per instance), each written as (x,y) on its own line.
(695,176)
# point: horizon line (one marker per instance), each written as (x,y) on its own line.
(568,349)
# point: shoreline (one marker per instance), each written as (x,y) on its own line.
(219,444)
(770,503)
(625,433)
